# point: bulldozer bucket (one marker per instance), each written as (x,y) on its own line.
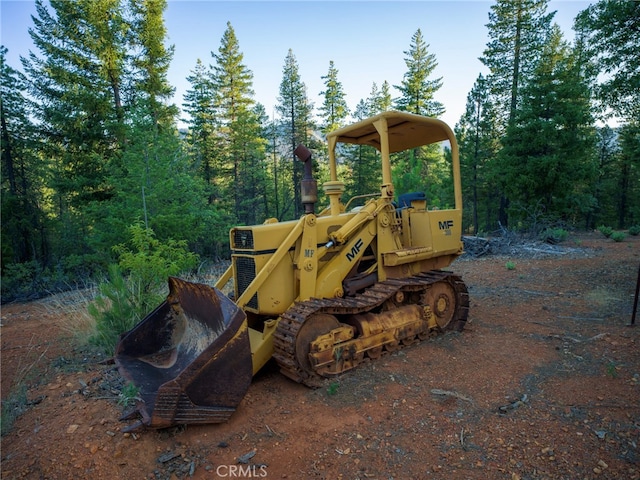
(190,358)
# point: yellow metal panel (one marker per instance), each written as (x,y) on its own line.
(262,344)
(420,228)
(407,255)
(307,258)
(265,237)
(446,229)
(278,291)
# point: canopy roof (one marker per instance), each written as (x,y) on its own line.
(406,131)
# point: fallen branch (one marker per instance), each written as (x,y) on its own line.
(601,405)
(593,319)
(577,340)
(449,393)
(513,405)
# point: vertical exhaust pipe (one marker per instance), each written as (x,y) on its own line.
(308,186)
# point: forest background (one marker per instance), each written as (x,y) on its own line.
(98,170)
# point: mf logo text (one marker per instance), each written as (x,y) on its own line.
(355,250)
(445,226)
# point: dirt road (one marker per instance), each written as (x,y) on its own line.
(544,383)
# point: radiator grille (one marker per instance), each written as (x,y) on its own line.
(242,239)
(246,272)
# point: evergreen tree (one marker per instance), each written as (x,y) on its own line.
(605,187)
(380,101)
(478,145)
(254,168)
(154,185)
(152,182)
(364,171)
(334,109)
(612,36)
(517,31)
(107,38)
(618,184)
(272,185)
(151,61)
(24,236)
(296,126)
(204,151)
(421,169)
(417,89)
(200,138)
(76,87)
(361,111)
(628,206)
(239,132)
(549,144)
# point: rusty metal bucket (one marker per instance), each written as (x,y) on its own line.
(190,358)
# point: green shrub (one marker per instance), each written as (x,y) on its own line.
(113,310)
(30,280)
(554,235)
(14,405)
(128,395)
(618,236)
(510,265)
(634,230)
(606,231)
(137,284)
(18,280)
(332,389)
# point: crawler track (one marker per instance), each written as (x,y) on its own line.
(421,289)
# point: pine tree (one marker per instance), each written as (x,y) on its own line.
(296,125)
(422,168)
(239,130)
(628,208)
(252,174)
(107,38)
(76,87)
(478,145)
(612,35)
(154,186)
(605,187)
(23,176)
(361,161)
(334,109)
(151,60)
(549,144)
(152,181)
(417,88)
(380,101)
(517,30)
(200,138)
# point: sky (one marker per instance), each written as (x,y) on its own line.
(366,40)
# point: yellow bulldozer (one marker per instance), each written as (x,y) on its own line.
(319,295)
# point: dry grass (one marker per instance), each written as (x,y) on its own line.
(71,308)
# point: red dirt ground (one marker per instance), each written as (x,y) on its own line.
(544,383)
